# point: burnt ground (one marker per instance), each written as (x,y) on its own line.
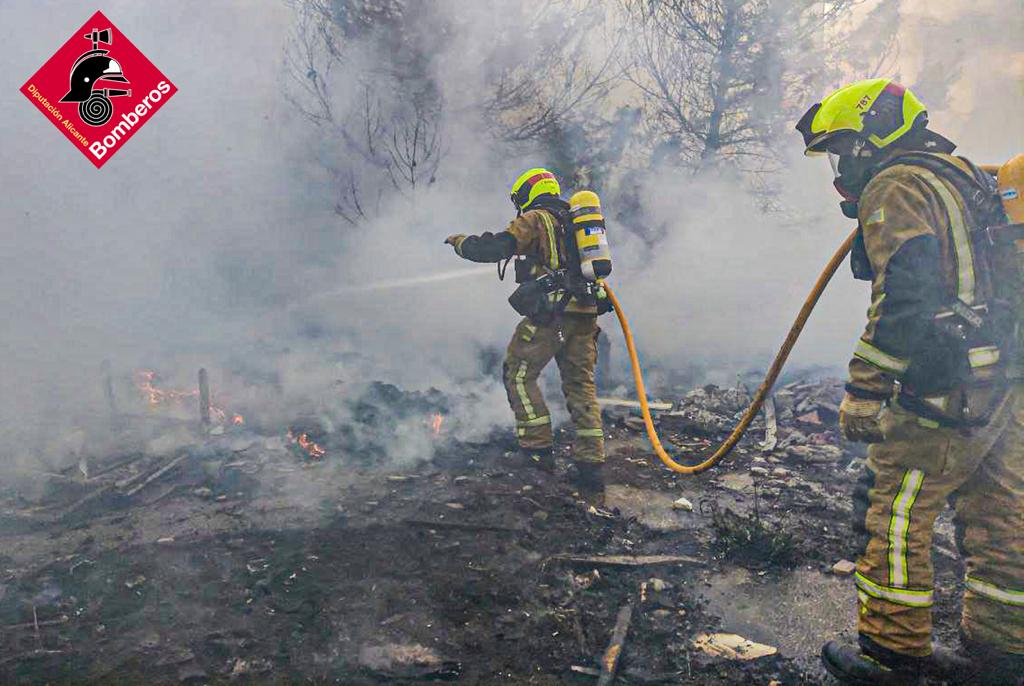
(249,565)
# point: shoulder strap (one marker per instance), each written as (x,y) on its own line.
(552,237)
(559,210)
(977,188)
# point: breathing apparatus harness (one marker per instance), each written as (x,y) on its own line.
(544,298)
(959,324)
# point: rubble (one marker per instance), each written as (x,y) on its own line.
(844,568)
(732,647)
(800,418)
(682,504)
(255,560)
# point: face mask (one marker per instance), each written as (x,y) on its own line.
(851,169)
(839,180)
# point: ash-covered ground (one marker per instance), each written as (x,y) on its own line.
(254,557)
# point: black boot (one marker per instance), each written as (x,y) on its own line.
(980,664)
(538,458)
(870,664)
(946,664)
(589,482)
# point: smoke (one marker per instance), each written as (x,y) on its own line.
(175,244)
(212,239)
(966,59)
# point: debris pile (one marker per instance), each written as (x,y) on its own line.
(189,556)
(183,443)
(808,419)
(800,419)
(365,428)
(708,410)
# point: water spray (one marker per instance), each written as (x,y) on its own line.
(392,284)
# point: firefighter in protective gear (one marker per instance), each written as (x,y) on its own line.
(929,388)
(539,237)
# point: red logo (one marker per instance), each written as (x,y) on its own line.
(98,89)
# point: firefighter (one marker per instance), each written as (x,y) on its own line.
(932,388)
(562,325)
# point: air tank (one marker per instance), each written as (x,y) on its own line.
(1010,180)
(591,239)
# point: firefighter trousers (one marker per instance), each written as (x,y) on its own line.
(572,341)
(909,479)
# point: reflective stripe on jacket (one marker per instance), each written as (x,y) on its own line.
(917,238)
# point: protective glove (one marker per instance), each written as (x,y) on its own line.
(858,419)
(455,239)
(604,303)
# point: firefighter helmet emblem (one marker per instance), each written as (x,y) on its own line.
(96,65)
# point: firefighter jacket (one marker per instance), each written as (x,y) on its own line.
(535,235)
(917,252)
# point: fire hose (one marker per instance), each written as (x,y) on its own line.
(766,386)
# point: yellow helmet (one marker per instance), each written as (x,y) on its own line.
(880,111)
(531,184)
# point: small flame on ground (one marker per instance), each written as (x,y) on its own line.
(145,381)
(436,423)
(307,444)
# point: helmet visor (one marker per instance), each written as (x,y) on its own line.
(833,159)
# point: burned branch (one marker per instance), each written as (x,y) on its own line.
(415,149)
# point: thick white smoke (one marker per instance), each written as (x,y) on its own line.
(210,239)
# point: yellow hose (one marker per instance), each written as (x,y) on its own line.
(766,385)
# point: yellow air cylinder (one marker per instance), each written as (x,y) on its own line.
(591,239)
(1010,180)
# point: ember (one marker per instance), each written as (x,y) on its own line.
(307,444)
(436,422)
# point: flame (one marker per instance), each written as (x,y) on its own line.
(145,381)
(145,378)
(307,444)
(436,422)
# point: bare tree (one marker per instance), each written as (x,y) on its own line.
(719,79)
(414,149)
(388,137)
(558,77)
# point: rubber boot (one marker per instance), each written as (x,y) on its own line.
(869,664)
(589,482)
